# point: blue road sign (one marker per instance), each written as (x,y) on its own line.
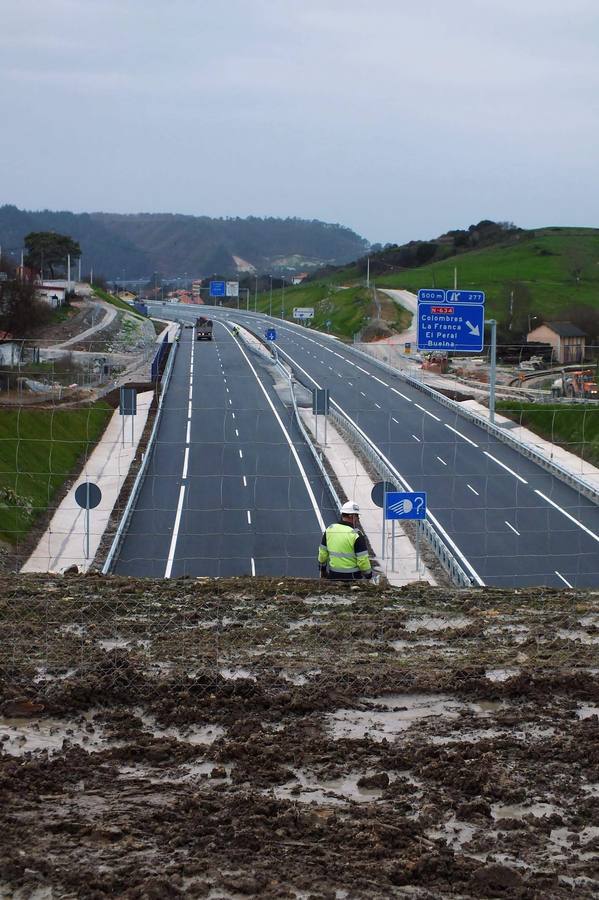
(464,296)
(431,294)
(447,326)
(217,289)
(271,334)
(405,505)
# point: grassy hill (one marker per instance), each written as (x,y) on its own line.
(550,273)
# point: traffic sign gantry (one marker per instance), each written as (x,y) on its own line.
(451,326)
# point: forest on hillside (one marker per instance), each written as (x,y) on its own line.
(132,246)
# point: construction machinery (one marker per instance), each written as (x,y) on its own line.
(580,384)
(203,329)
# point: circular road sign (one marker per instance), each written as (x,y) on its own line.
(377,494)
(88,495)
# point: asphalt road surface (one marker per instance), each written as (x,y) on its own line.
(511,523)
(231,489)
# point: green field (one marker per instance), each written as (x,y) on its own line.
(116,301)
(39,450)
(559,267)
(576,428)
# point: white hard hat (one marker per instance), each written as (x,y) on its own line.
(350,508)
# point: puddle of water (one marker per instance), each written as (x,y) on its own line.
(454,833)
(302,623)
(189,734)
(436,623)
(44,675)
(182,773)
(398,712)
(71,628)
(415,645)
(19,736)
(591,619)
(585,712)
(335,792)
(114,644)
(298,678)
(572,634)
(501,674)
(519,810)
(329,600)
(234,674)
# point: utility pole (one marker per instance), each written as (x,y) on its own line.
(368,271)
(270,305)
(255,294)
(492,373)
(283,299)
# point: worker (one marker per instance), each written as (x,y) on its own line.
(235,330)
(343,553)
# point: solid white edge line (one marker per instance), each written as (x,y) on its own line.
(459,434)
(507,468)
(173,546)
(512,527)
(186,463)
(568,516)
(559,575)
(400,478)
(308,487)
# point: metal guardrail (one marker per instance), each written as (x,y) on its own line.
(125,518)
(443,553)
(585,488)
(307,438)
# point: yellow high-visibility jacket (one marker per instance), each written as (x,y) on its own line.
(344,552)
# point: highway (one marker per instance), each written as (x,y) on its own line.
(510,522)
(231,489)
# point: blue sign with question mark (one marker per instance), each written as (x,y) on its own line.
(399,505)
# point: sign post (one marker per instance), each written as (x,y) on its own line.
(87,496)
(378,495)
(303,312)
(218,289)
(320,406)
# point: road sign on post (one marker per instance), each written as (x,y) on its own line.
(451,326)
(217,289)
(128,401)
(271,334)
(465,297)
(433,295)
(303,312)
(320,401)
(232,289)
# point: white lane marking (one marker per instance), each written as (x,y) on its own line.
(190,393)
(416,438)
(249,517)
(432,415)
(338,354)
(363,394)
(227,390)
(186,463)
(507,468)
(236,432)
(384,383)
(331,368)
(512,527)
(395,391)
(230,402)
(241,454)
(441,460)
(253,566)
(362,370)
(568,516)
(469,486)
(378,404)
(298,461)
(339,375)
(350,383)
(173,546)
(189,410)
(401,479)
(459,434)
(188,435)
(394,420)
(245,481)
(559,575)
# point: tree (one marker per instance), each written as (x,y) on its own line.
(49,250)
(20,311)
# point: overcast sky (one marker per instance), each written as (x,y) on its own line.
(400,119)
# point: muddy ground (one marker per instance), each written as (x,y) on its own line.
(263,738)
